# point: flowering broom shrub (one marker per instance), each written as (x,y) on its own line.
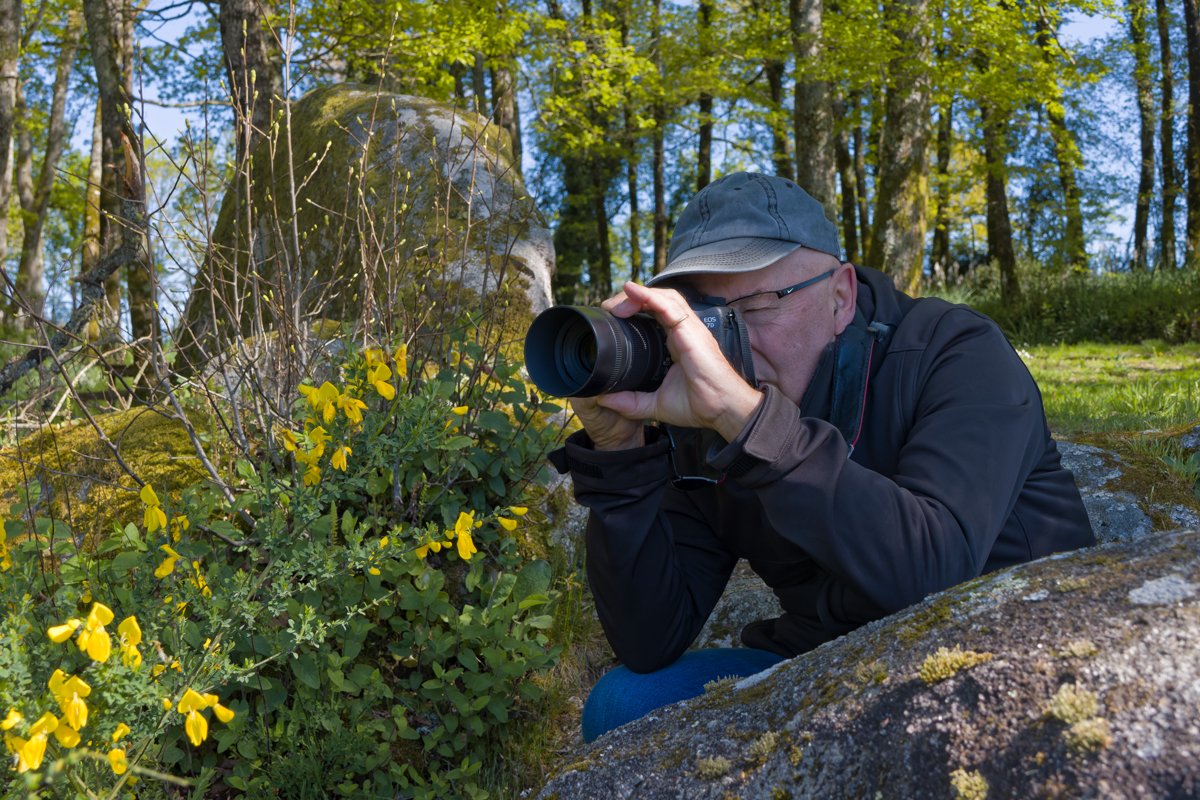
(355,617)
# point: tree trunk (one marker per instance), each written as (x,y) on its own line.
(902,187)
(479,84)
(107,316)
(1073,247)
(32,268)
(704,148)
(781,145)
(122,191)
(1143,83)
(845,168)
(813,113)
(10,47)
(631,176)
(253,68)
(601,272)
(860,175)
(999,225)
(1170,185)
(658,156)
(939,256)
(504,107)
(1191,18)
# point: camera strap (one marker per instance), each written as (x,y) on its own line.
(852,354)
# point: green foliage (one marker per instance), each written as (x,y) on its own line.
(363,604)
(1109,307)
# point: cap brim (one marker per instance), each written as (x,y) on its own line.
(726,256)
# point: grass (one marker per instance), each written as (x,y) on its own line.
(1137,400)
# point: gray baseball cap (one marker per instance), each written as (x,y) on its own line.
(743,222)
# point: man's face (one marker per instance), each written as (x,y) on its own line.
(788,334)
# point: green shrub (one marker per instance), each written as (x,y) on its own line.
(1071,308)
(357,616)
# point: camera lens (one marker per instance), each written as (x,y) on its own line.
(579,351)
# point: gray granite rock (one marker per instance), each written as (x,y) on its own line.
(1191,440)
(1077,675)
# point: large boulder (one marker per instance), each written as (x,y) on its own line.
(395,198)
(1073,676)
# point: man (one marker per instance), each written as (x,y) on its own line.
(892,448)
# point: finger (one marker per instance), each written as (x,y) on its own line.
(615,301)
(631,405)
(667,305)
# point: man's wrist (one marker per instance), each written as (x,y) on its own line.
(629,443)
(738,412)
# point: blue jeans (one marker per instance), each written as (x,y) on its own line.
(623,695)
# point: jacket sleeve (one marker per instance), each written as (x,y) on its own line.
(654,566)
(976,433)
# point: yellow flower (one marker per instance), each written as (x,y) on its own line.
(148,496)
(507,524)
(378,377)
(60,633)
(312,475)
(191,701)
(45,724)
(67,736)
(352,407)
(179,524)
(373,571)
(338,459)
(168,564)
(154,517)
(466,546)
(99,616)
(460,410)
(196,727)
(518,511)
(199,582)
(116,760)
(318,436)
(120,733)
(99,646)
(29,753)
(130,631)
(166,701)
(423,551)
(464,523)
(374,356)
(75,711)
(383,542)
(131,657)
(322,400)
(12,720)
(400,358)
(289,440)
(157,669)
(224,714)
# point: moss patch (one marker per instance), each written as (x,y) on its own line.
(1072,704)
(711,769)
(1088,736)
(968,785)
(80,480)
(948,662)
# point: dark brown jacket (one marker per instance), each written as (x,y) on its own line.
(953,474)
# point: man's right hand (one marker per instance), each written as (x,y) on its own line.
(608,429)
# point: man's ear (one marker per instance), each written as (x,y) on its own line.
(845,296)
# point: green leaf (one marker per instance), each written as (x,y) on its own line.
(534,578)
(123,563)
(305,670)
(458,442)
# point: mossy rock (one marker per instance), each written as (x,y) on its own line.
(399,202)
(79,479)
(856,718)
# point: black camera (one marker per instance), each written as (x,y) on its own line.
(581,351)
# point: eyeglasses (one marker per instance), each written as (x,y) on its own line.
(782,293)
(686,483)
